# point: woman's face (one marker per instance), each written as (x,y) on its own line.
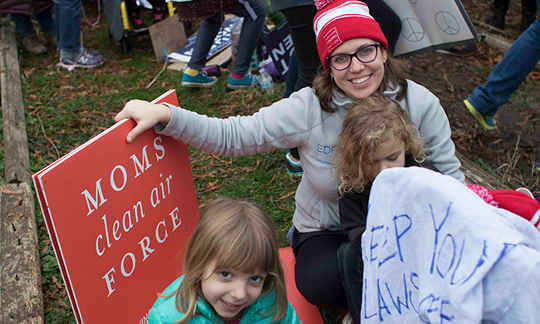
(359,80)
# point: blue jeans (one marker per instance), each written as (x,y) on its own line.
(24,27)
(254,13)
(68,27)
(508,74)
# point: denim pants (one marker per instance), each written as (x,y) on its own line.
(68,27)
(23,23)
(254,13)
(508,74)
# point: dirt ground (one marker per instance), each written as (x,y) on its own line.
(510,151)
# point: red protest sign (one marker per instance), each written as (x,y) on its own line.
(119,216)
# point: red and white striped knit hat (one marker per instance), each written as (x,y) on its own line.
(341,20)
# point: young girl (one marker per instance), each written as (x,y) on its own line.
(232,273)
(377,134)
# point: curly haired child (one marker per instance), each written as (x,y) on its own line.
(377,134)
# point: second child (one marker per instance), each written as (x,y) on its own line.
(232,272)
(377,134)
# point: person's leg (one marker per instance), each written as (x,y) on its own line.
(208,29)
(292,75)
(509,73)
(27,34)
(254,13)
(67,14)
(528,13)
(23,25)
(316,270)
(300,21)
(45,20)
(68,28)
(500,7)
(350,268)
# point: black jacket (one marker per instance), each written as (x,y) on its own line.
(353,205)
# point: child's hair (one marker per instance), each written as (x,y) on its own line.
(239,236)
(368,123)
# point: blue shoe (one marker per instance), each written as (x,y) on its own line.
(87,59)
(201,80)
(488,122)
(247,81)
(294,166)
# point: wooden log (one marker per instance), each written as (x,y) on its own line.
(16,157)
(21,297)
(475,175)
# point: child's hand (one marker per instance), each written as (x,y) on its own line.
(145,114)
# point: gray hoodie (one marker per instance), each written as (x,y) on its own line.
(298,121)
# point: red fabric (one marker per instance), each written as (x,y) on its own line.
(483,193)
(342,20)
(236,321)
(520,204)
(513,201)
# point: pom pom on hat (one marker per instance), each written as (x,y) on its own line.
(341,20)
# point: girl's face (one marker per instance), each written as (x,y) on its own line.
(229,291)
(389,154)
(359,80)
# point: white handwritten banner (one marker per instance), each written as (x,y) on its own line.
(434,252)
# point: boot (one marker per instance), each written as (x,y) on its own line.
(528,14)
(33,45)
(500,7)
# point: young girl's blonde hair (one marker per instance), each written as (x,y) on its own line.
(239,236)
(368,123)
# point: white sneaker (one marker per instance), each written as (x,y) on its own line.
(525,191)
(347,319)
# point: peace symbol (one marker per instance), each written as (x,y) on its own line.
(447,22)
(412,30)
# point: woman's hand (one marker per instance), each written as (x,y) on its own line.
(145,114)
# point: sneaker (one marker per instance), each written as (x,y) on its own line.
(247,81)
(138,25)
(294,166)
(488,122)
(201,80)
(525,191)
(347,319)
(32,45)
(87,59)
(459,50)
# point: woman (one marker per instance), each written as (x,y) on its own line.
(353,53)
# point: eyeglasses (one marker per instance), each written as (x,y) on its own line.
(365,54)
